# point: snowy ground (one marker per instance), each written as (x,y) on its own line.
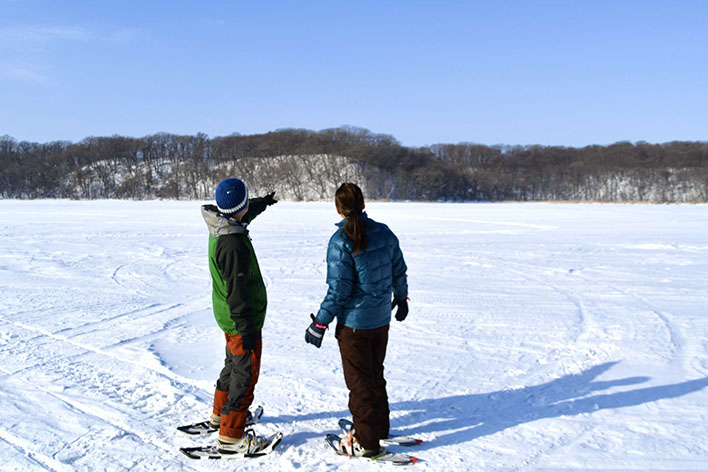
(541,336)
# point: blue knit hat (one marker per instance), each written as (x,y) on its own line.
(231,195)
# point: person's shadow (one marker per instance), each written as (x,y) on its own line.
(475,415)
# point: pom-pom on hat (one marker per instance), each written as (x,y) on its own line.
(231,195)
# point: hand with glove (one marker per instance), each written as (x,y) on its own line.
(315,332)
(402,311)
(249,342)
(269,200)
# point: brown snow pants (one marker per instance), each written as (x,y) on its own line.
(363,352)
(234,389)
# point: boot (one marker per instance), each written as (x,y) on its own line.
(215,421)
(349,446)
(249,443)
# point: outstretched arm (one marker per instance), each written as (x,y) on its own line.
(257,205)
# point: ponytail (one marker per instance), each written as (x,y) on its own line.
(350,203)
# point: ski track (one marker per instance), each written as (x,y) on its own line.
(183,382)
(37,459)
(108,386)
(123,428)
(677,339)
(538,342)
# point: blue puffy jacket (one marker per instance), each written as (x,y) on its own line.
(360,287)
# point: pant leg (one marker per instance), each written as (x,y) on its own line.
(363,374)
(243,376)
(379,344)
(222,384)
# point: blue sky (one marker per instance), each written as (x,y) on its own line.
(567,73)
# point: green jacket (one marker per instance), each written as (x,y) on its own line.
(238,292)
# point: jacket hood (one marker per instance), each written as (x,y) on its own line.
(220,225)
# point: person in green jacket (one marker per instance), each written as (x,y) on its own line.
(239,300)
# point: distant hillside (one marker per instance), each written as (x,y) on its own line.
(308,165)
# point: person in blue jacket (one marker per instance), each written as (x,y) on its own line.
(366,276)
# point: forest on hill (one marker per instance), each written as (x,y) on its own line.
(309,165)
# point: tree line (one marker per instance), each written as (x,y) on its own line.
(309,165)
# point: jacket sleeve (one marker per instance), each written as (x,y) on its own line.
(398,269)
(256,206)
(232,258)
(341,276)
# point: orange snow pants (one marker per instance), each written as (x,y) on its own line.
(234,389)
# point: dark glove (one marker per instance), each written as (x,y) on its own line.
(402,311)
(269,200)
(250,341)
(315,332)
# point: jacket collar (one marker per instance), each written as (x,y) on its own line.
(220,225)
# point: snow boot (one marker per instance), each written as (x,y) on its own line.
(249,443)
(215,421)
(349,446)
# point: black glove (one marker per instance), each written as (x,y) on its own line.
(315,332)
(402,311)
(269,200)
(250,341)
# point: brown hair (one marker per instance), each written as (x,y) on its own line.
(350,203)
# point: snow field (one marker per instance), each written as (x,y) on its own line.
(541,336)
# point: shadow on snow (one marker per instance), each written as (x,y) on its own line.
(475,415)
